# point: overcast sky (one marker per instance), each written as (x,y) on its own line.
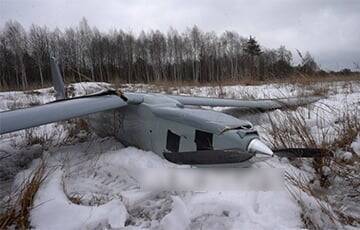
(329,29)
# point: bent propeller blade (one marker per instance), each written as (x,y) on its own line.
(303,152)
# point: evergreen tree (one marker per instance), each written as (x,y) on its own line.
(252,47)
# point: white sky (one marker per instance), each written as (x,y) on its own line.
(329,29)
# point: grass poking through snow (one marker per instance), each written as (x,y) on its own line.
(17,209)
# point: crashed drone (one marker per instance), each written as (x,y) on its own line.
(168,125)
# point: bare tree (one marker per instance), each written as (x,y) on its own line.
(85,53)
(39,47)
(16,40)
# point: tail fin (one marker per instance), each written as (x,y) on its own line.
(57,80)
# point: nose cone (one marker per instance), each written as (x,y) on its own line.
(257,146)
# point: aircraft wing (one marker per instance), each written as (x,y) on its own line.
(257,104)
(56,111)
(63,108)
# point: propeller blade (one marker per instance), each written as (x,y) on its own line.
(229,156)
(303,152)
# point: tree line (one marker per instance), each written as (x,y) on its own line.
(85,53)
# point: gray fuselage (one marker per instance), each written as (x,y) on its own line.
(162,124)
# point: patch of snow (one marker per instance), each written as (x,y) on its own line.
(54,211)
(178,218)
(356,146)
(346,156)
(248,210)
(326,170)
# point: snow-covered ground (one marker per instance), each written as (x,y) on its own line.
(91,183)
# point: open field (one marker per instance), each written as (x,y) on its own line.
(88,181)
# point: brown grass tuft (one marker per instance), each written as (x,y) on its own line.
(17,210)
(78,129)
(32,138)
(320,201)
(349,128)
(293,131)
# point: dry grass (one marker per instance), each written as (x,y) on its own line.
(297,78)
(78,130)
(337,216)
(73,198)
(320,201)
(17,211)
(349,128)
(292,130)
(18,102)
(31,138)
